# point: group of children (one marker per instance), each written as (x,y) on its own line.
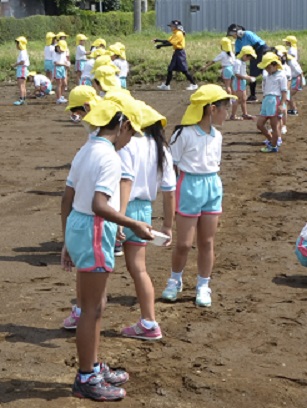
(57,64)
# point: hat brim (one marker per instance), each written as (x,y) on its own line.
(264,65)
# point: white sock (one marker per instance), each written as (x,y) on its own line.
(148,324)
(78,311)
(85,377)
(202,281)
(177,276)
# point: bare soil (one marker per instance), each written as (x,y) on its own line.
(248,350)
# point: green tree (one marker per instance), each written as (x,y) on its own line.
(66,6)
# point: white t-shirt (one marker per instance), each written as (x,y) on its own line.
(288,72)
(123,66)
(88,67)
(293,51)
(275,83)
(59,57)
(296,69)
(225,59)
(23,56)
(41,80)
(239,67)
(139,164)
(196,152)
(49,51)
(96,167)
(80,53)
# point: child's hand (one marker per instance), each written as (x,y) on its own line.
(252,79)
(66,261)
(281,108)
(120,236)
(167,231)
(142,230)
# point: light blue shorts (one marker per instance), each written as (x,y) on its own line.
(22,72)
(227,72)
(79,65)
(59,72)
(139,210)
(90,242)
(239,84)
(198,194)
(301,251)
(296,84)
(269,106)
(123,82)
(46,89)
(49,66)
(85,81)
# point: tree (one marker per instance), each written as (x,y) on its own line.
(66,6)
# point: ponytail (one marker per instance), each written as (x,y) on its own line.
(157,133)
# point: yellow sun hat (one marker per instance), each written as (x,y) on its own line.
(106,77)
(97,53)
(62,44)
(61,34)
(104,112)
(22,42)
(115,50)
(122,48)
(80,37)
(205,95)
(291,39)
(82,94)
(149,116)
(247,50)
(101,61)
(32,73)
(226,44)
(49,37)
(267,59)
(99,42)
(283,50)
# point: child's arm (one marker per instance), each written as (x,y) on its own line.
(125,190)
(283,102)
(18,63)
(208,65)
(246,77)
(169,212)
(66,207)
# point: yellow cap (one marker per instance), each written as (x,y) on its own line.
(115,50)
(291,39)
(149,116)
(101,61)
(22,42)
(61,34)
(82,94)
(99,42)
(80,37)
(49,38)
(62,44)
(205,95)
(122,48)
(102,114)
(267,59)
(281,48)
(247,50)
(226,44)
(97,53)
(106,77)
(32,73)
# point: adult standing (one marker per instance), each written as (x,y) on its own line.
(243,38)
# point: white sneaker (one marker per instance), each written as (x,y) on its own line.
(51,93)
(203,296)
(59,101)
(173,287)
(284,130)
(164,87)
(192,87)
(279,141)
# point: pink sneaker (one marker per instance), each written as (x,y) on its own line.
(138,331)
(71,322)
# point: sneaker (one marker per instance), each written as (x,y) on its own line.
(164,87)
(71,322)
(20,102)
(60,101)
(266,142)
(192,87)
(96,389)
(252,98)
(284,130)
(279,141)
(113,377)
(138,331)
(293,112)
(269,149)
(173,287)
(51,93)
(203,296)
(118,249)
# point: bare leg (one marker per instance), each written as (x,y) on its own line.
(186,227)
(206,230)
(261,126)
(276,129)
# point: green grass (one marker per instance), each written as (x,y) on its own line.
(148,64)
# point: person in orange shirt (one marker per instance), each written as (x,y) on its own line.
(179,58)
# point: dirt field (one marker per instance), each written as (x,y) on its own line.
(247,351)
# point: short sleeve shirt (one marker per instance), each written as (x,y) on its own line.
(23,56)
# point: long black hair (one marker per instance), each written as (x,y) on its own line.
(157,132)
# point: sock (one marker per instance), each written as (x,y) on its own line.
(202,281)
(96,368)
(177,276)
(78,311)
(149,324)
(84,375)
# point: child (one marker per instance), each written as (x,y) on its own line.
(99,43)
(81,99)
(227,59)
(60,65)
(87,75)
(146,166)
(21,66)
(89,210)
(61,36)
(196,149)
(239,82)
(105,79)
(80,56)
(49,53)
(42,84)
(274,102)
(291,42)
(296,85)
(119,59)
(179,58)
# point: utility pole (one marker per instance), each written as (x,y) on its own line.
(137,15)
